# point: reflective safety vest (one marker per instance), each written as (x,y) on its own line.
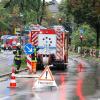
(34,55)
(17,55)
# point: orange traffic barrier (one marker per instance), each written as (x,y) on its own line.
(34,63)
(13,79)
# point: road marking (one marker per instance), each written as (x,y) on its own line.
(3,98)
(27,76)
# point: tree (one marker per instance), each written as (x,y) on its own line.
(67,17)
(4,17)
(88,36)
(64,11)
(85,11)
(29,6)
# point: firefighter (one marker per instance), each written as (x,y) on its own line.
(34,59)
(17,57)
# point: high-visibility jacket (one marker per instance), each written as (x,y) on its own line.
(34,55)
(18,55)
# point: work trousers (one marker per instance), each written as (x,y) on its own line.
(18,64)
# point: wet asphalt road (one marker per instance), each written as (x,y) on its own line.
(6,60)
(69,85)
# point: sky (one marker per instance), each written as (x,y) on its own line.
(56,0)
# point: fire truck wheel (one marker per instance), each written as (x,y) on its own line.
(39,64)
(59,65)
(62,67)
(9,48)
(39,67)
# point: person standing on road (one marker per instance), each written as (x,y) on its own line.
(34,59)
(17,57)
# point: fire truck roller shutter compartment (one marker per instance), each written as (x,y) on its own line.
(47,45)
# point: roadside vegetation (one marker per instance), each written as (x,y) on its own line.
(15,13)
(88,36)
(77,12)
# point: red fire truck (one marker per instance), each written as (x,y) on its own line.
(52,45)
(10,41)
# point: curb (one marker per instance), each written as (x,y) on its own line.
(4,75)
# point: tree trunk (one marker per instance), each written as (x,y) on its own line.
(38,17)
(98,35)
(38,11)
(43,9)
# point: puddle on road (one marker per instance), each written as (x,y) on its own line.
(87,86)
(91,83)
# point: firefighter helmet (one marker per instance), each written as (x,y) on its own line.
(18,44)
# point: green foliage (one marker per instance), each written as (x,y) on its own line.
(64,11)
(29,17)
(83,11)
(15,13)
(89,36)
(4,17)
(3,25)
(31,9)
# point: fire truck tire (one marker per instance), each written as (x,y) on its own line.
(9,48)
(62,67)
(59,65)
(39,64)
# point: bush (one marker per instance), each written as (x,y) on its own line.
(89,36)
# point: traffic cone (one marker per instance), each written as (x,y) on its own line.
(13,79)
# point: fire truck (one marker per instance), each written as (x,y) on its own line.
(52,44)
(10,41)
